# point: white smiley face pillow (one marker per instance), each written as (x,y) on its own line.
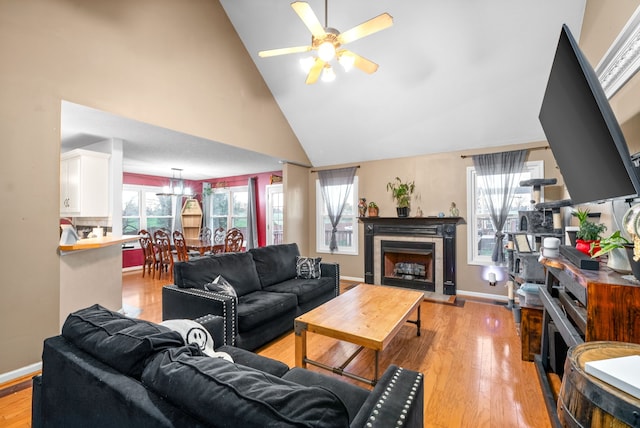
(193,332)
(200,337)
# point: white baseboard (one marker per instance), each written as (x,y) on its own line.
(131,268)
(351,278)
(485,296)
(24,371)
(461,293)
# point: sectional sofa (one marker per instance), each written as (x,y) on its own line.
(269,289)
(107,370)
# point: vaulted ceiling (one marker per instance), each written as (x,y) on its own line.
(453,75)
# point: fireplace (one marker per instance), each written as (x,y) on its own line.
(412,252)
(408,264)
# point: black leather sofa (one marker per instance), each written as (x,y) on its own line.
(107,370)
(269,294)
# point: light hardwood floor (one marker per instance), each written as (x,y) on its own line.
(469,353)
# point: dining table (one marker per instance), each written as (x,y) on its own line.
(198,245)
(202,247)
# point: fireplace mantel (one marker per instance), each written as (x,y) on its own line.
(437,227)
(406,221)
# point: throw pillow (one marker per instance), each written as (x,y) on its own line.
(221,285)
(193,332)
(308,267)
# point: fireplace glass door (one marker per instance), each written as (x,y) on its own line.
(408,264)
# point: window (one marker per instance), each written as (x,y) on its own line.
(142,208)
(347,233)
(229,208)
(275,214)
(481,235)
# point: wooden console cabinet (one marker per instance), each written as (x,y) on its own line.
(582,306)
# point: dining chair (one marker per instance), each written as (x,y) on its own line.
(205,240)
(218,236)
(218,240)
(180,246)
(165,257)
(233,240)
(148,253)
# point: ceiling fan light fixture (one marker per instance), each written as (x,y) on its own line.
(306,63)
(328,75)
(346,61)
(327,42)
(326,51)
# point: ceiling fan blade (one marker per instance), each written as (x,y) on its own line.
(284,51)
(362,63)
(371,26)
(315,72)
(309,18)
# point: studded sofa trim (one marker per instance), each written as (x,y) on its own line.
(194,303)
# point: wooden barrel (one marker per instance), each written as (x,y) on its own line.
(586,401)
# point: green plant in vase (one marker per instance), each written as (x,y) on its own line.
(373,209)
(582,214)
(608,244)
(588,235)
(401,193)
(615,246)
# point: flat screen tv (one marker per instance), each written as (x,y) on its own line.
(582,131)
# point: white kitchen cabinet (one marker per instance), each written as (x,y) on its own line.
(84,184)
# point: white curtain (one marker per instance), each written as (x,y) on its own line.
(177,218)
(500,176)
(206,205)
(335,185)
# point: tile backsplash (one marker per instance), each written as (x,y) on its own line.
(85,225)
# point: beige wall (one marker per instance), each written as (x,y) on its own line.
(175,64)
(296,217)
(440,179)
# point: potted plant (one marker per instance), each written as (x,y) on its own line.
(401,193)
(588,232)
(608,244)
(615,246)
(582,214)
(373,209)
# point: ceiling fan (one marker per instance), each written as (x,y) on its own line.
(328,43)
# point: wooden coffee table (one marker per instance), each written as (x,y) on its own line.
(367,315)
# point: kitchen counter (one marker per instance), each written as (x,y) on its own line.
(92,243)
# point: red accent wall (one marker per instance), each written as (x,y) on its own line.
(134,257)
